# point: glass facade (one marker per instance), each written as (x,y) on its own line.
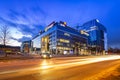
(58,38)
(36,45)
(67,42)
(97,39)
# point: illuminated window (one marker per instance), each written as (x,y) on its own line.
(83,32)
(66,34)
(58,43)
(59,47)
(63,40)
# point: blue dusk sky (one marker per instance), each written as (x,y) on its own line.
(27,17)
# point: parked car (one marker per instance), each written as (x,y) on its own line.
(46,55)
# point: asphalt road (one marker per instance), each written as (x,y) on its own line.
(62,68)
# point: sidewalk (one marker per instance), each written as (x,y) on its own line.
(113,75)
(17,57)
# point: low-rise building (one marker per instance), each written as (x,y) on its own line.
(9,49)
(26,46)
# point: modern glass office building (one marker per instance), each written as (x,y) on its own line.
(58,38)
(97,40)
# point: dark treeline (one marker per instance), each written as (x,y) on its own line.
(114,50)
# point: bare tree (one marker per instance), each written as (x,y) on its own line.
(4,34)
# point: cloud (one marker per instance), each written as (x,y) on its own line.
(17,37)
(17,34)
(14,42)
(29,18)
(24,24)
(25,29)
